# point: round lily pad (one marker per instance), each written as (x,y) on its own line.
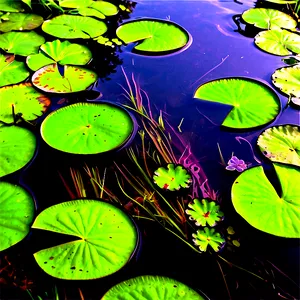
(27,101)
(262,207)
(11,6)
(20,21)
(278,42)
(266,18)
(153,36)
(74,27)
(75,79)
(253,103)
(150,288)
(16,214)
(208,237)
(87,128)
(281,144)
(17,148)
(106,239)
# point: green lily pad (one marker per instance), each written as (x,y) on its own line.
(278,42)
(262,207)
(21,43)
(27,102)
(281,144)
(75,79)
(87,128)
(20,21)
(11,6)
(16,215)
(266,18)
(74,27)
(208,237)
(107,239)
(253,103)
(11,71)
(154,36)
(150,288)
(288,80)
(172,178)
(204,212)
(17,148)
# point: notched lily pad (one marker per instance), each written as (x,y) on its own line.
(208,237)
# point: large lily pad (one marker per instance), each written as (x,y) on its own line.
(150,288)
(278,42)
(266,18)
(87,128)
(75,79)
(20,21)
(21,43)
(262,207)
(74,27)
(11,71)
(107,239)
(17,148)
(154,36)
(11,5)
(16,214)
(27,102)
(281,144)
(254,104)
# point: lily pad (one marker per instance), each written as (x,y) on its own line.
(21,43)
(262,207)
(75,79)
(11,70)
(17,148)
(266,18)
(253,103)
(20,21)
(150,288)
(278,42)
(74,27)
(288,80)
(172,178)
(87,128)
(208,237)
(27,102)
(106,239)
(153,35)
(11,6)
(16,215)
(281,144)
(63,52)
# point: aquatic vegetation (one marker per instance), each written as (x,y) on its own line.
(151,287)
(235,164)
(292,60)
(245,96)
(17,212)
(263,207)
(20,21)
(204,212)
(208,237)
(107,239)
(172,178)
(281,144)
(11,6)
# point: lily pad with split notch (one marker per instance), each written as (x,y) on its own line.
(107,239)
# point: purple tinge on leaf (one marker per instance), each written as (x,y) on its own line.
(235,164)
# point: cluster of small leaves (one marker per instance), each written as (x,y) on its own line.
(108,42)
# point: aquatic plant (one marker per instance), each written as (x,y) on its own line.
(208,237)
(235,164)
(11,6)
(20,21)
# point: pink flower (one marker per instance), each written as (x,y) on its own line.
(235,164)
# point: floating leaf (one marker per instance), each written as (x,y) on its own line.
(281,144)
(16,215)
(254,104)
(21,43)
(20,21)
(28,2)
(154,36)
(17,147)
(208,237)
(11,71)
(11,5)
(87,128)
(172,178)
(262,207)
(291,60)
(204,212)
(150,288)
(107,239)
(278,42)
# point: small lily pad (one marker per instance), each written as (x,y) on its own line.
(281,144)
(172,178)
(262,207)
(20,21)
(208,237)
(278,42)
(106,239)
(150,288)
